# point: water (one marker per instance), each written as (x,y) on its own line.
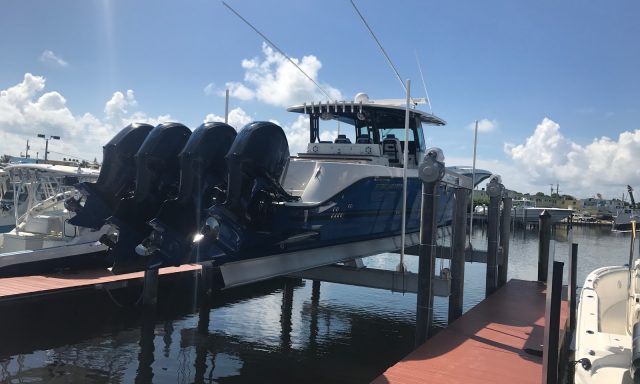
(278,331)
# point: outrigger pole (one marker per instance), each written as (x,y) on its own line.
(277,49)
(402,267)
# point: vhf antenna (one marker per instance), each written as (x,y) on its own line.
(381,48)
(423,83)
(277,49)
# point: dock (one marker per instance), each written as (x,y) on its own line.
(497,341)
(25,287)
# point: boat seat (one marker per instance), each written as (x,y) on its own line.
(392,149)
(364,139)
(342,139)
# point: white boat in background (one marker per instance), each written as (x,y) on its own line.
(10,199)
(607,325)
(42,235)
(525,212)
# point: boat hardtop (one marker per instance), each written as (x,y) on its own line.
(50,170)
(379,127)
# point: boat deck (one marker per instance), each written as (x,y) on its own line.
(13,288)
(497,341)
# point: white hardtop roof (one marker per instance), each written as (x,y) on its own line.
(343,108)
(53,170)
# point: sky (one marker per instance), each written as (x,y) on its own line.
(555,85)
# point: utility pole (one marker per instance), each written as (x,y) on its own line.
(46,146)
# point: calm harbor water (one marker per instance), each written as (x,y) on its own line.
(282,330)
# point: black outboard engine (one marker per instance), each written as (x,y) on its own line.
(256,162)
(117,178)
(157,172)
(203,180)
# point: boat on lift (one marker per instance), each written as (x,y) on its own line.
(338,195)
(43,235)
(608,325)
(624,217)
(526,212)
(13,202)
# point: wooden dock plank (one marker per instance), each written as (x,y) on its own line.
(13,287)
(486,345)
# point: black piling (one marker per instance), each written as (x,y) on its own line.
(458,240)
(550,352)
(431,171)
(543,245)
(150,289)
(573,272)
(494,190)
(505,235)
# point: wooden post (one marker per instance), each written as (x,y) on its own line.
(505,236)
(150,289)
(457,263)
(552,325)
(573,272)
(543,245)
(494,190)
(431,171)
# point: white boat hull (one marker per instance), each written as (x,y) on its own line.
(603,334)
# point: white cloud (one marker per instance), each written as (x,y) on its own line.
(25,111)
(484,126)
(51,58)
(604,166)
(117,106)
(275,81)
(238,118)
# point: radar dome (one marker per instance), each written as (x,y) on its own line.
(361,98)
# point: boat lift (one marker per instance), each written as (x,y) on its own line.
(343,263)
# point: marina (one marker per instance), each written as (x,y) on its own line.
(359,332)
(315,233)
(217,218)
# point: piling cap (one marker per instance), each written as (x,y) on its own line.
(431,169)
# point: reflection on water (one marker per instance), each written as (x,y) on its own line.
(282,330)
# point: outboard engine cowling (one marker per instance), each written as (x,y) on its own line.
(256,163)
(117,178)
(157,172)
(260,153)
(203,179)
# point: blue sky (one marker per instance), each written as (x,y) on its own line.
(548,79)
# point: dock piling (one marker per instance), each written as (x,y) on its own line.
(150,289)
(458,258)
(550,348)
(505,235)
(494,190)
(431,172)
(543,245)
(571,296)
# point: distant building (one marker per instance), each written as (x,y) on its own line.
(599,207)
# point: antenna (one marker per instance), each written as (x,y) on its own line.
(277,49)
(423,83)
(381,48)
